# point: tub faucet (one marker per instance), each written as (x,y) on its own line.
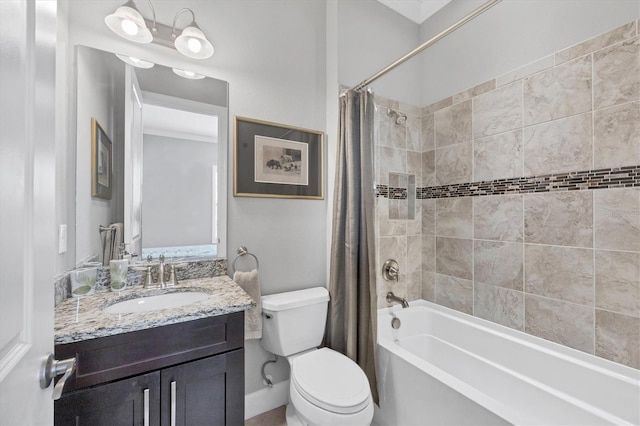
(393,298)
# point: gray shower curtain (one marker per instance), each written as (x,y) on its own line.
(352,320)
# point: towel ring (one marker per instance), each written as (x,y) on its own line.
(242,251)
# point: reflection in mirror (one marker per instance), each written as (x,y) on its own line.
(169,138)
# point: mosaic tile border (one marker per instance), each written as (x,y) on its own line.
(391,193)
(618,177)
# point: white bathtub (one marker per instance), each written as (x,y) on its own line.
(445,367)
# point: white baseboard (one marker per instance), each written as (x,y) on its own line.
(266,399)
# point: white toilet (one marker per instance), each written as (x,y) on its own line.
(326,387)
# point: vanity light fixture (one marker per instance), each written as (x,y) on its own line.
(128,23)
(131,60)
(188,74)
(192,42)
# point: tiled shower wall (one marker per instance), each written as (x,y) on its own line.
(529,198)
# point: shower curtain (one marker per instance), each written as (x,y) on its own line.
(352,320)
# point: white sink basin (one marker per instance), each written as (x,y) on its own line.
(155,303)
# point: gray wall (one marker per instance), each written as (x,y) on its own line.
(507,36)
(100,87)
(273,56)
(371,36)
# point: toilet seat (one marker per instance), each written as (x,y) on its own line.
(331,381)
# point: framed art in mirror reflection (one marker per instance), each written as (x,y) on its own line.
(101,162)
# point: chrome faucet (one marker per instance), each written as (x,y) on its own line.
(393,298)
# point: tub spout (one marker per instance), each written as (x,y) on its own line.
(393,298)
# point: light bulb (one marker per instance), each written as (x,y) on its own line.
(189,73)
(134,59)
(129,27)
(194,45)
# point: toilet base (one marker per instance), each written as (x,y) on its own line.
(292,418)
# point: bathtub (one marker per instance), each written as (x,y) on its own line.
(445,367)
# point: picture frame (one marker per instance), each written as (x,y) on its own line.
(101,162)
(275,160)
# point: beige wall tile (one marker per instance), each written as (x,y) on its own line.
(414,285)
(388,133)
(428,132)
(564,273)
(414,165)
(525,71)
(454,293)
(454,217)
(616,136)
(389,160)
(617,219)
(429,286)
(429,217)
(559,92)
(498,157)
(393,248)
(386,226)
(414,227)
(616,35)
(443,103)
(499,264)
(454,163)
(414,133)
(498,217)
(560,322)
(618,282)
(499,305)
(454,257)
(453,124)
(481,88)
(559,218)
(429,168)
(498,111)
(618,338)
(616,74)
(428,253)
(414,254)
(558,146)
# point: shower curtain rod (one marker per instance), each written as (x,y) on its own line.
(426,44)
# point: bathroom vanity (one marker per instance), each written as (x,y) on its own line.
(177,366)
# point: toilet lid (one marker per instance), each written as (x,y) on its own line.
(331,381)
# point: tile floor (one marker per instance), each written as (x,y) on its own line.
(275,417)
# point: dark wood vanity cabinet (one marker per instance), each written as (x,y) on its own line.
(191,373)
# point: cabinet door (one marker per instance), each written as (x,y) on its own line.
(134,401)
(209,391)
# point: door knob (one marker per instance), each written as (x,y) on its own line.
(51,368)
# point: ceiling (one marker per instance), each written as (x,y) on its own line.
(416,10)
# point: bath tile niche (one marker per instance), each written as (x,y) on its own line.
(402,196)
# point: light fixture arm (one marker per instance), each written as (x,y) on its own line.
(175,19)
(154,28)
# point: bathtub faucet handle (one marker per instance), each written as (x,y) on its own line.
(391,270)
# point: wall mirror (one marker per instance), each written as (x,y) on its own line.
(168,167)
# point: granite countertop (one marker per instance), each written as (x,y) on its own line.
(83,319)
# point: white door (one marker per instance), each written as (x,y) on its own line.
(133,162)
(27,206)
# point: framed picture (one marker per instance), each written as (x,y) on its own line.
(278,161)
(101,162)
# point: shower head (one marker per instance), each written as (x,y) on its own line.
(400,117)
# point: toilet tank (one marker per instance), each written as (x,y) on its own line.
(294,321)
